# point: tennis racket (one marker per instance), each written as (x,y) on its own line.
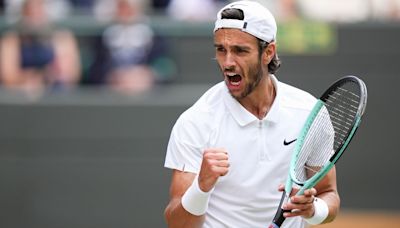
(324,137)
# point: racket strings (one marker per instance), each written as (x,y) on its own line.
(317,147)
(328,131)
(343,104)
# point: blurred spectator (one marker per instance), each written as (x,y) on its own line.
(159,5)
(55,9)
(350,11)
(2,7)
(107,10)
(34,55)
(130,57)
(344,11)
(83,6)
(385,10)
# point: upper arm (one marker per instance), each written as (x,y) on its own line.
(67,52)
(9,56)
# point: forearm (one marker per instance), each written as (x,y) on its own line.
(327,191)
(177,217)
(189,201)
(332,199)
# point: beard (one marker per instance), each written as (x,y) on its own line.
(255,76)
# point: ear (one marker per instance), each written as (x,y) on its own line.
(269,53)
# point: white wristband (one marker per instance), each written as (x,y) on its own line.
(321,211)
(195,201)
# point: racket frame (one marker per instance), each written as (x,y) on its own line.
(278,219)
(335,157)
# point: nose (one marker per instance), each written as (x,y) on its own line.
(229,62)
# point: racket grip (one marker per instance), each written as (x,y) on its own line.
(278,219)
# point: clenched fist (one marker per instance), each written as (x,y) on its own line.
(214,165)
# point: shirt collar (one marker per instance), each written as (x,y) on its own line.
(244,117)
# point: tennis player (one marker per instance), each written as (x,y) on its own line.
(230,152)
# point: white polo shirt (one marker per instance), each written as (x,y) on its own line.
(248,195)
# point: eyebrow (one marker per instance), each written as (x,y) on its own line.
(242,47)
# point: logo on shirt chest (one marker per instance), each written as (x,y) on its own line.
(286,143)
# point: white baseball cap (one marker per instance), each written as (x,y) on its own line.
(258,20)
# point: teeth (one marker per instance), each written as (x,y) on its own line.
(235,83)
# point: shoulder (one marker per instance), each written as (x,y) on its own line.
(201,116)
(204,109)
(194,126)
(296,98)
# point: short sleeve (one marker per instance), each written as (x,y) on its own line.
(186,145)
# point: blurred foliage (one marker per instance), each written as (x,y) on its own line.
(306,37)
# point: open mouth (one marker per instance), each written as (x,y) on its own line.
(234,79)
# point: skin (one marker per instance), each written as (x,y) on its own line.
(237,53)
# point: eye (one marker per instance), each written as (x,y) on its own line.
(220,49)
(241,50)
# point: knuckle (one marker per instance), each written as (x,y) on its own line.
(213,169)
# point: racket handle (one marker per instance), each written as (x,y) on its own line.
(278,219)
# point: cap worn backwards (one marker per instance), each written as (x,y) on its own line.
(258,20)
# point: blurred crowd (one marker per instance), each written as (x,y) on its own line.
(128,55)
